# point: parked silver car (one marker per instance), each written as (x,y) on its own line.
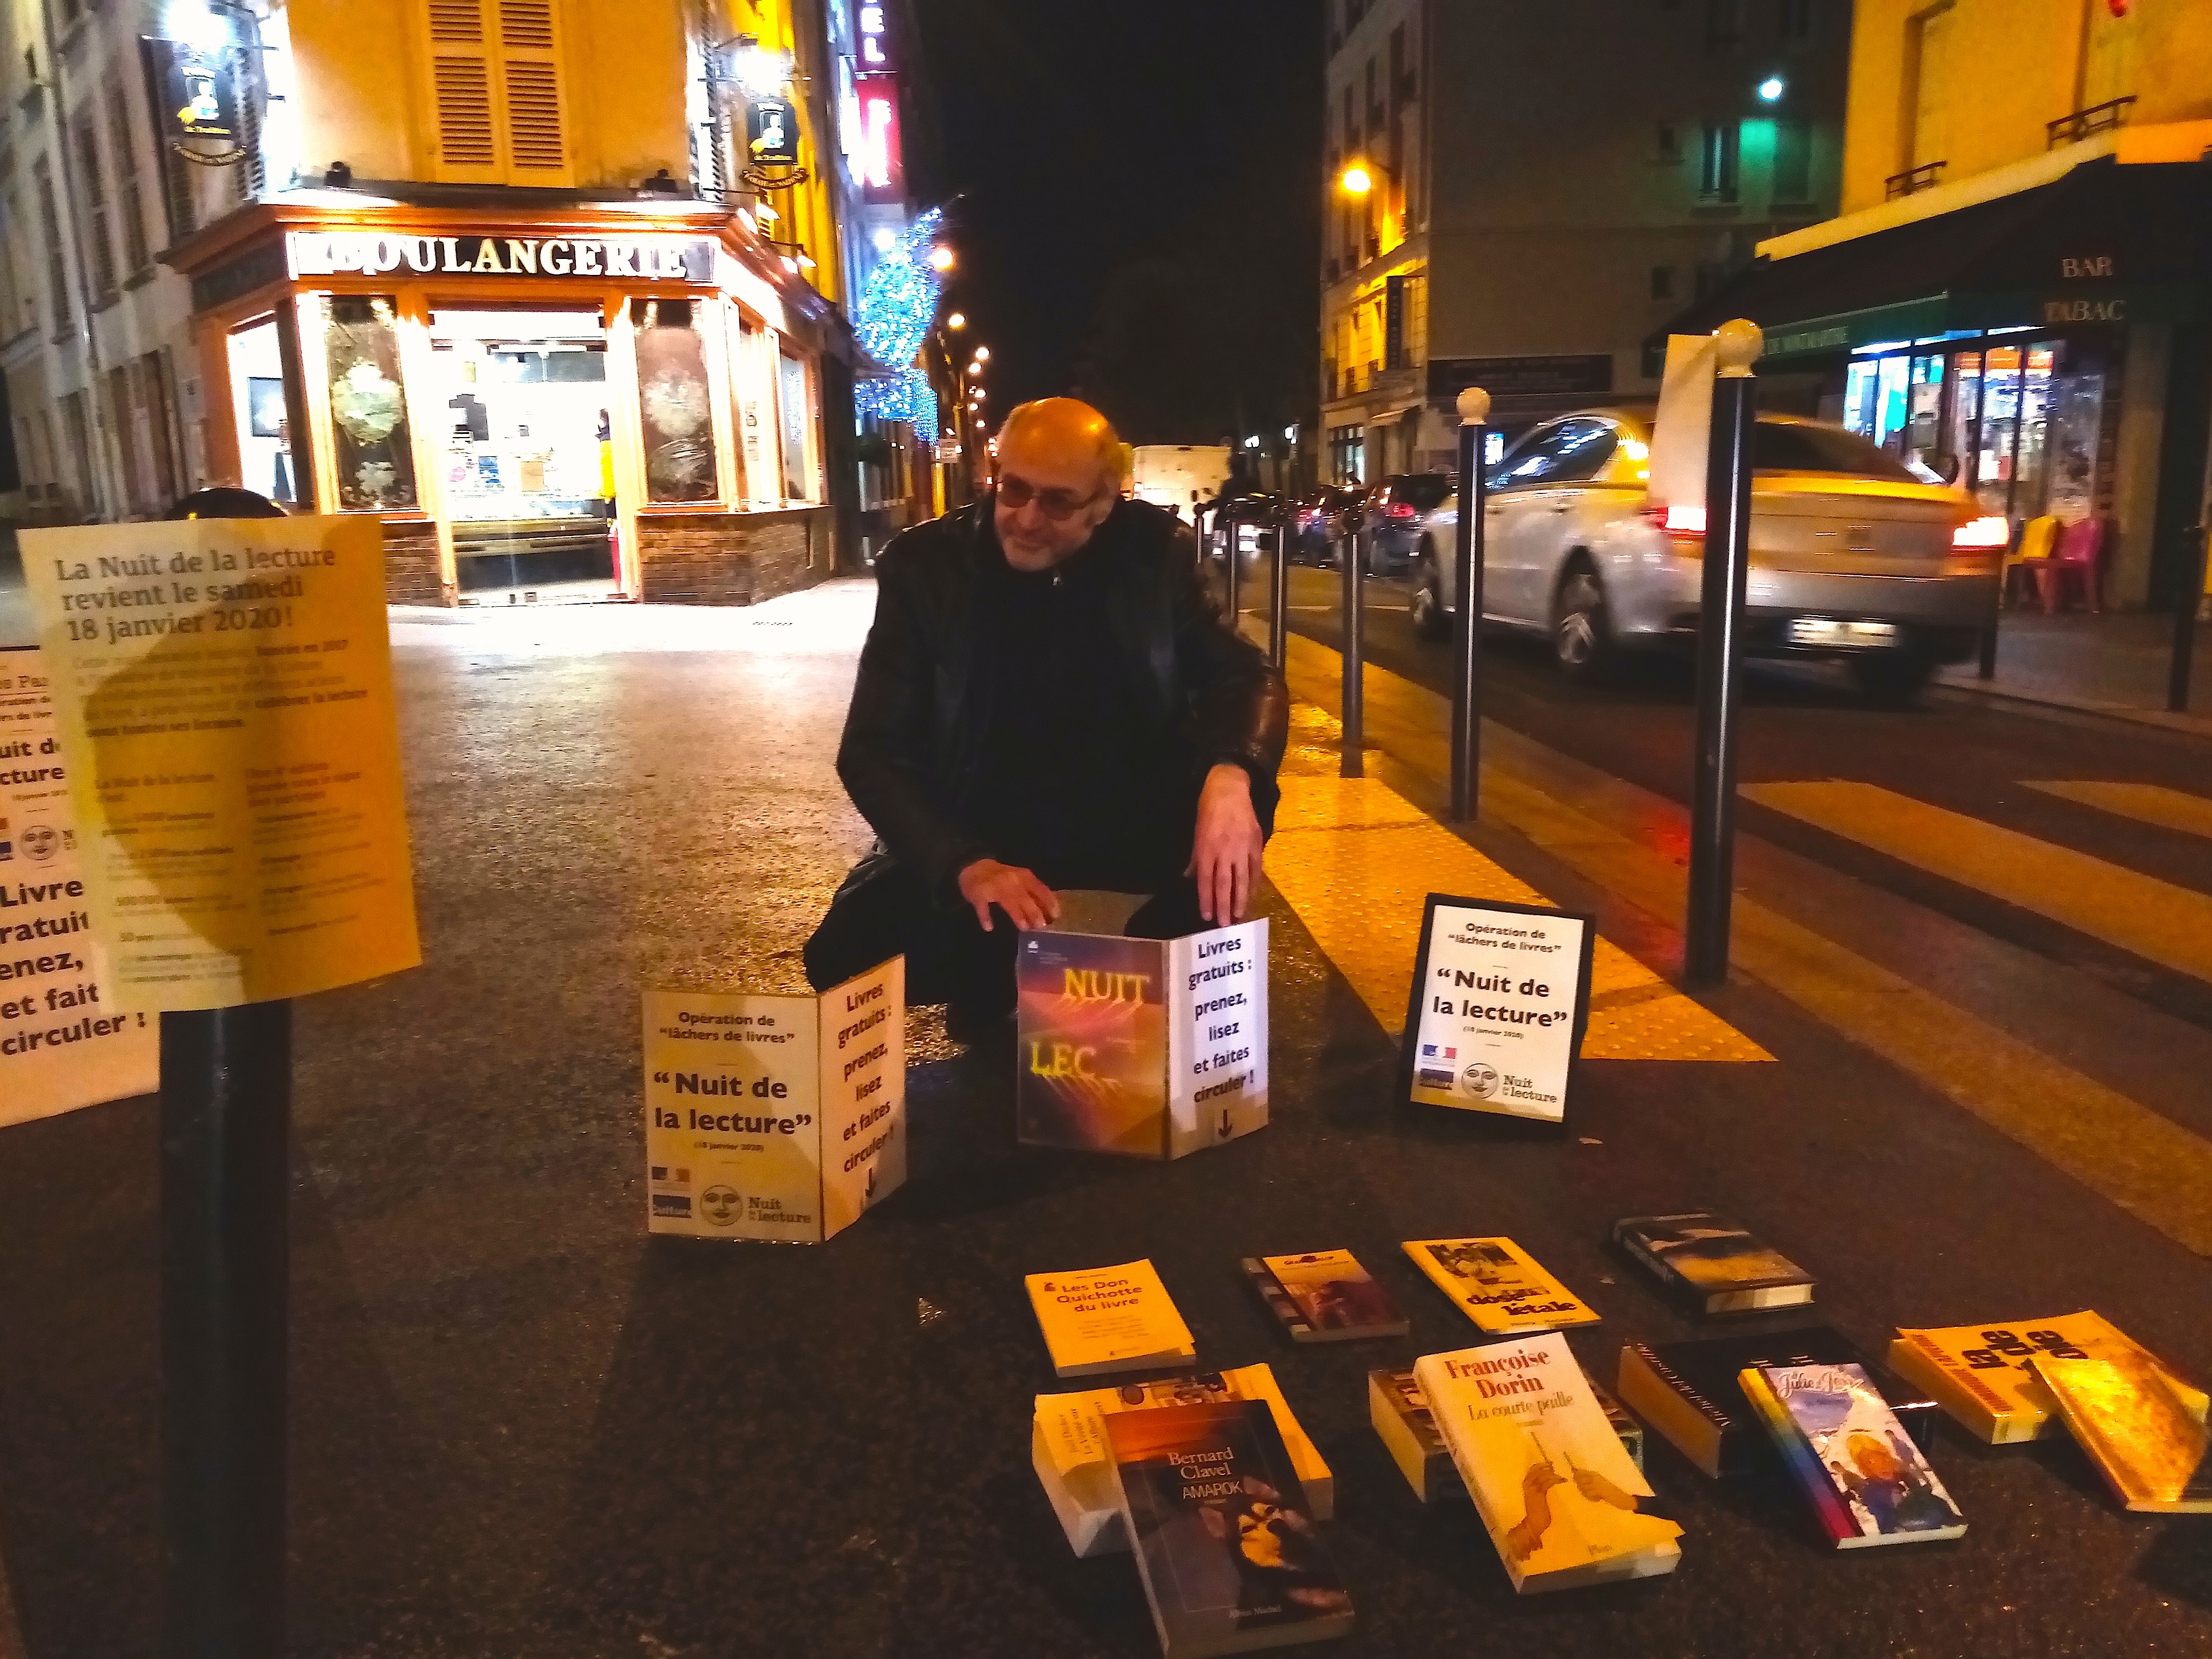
(1854,554)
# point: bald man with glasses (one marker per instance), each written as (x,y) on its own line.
(1050,699)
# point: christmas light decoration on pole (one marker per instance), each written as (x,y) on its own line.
(892,318)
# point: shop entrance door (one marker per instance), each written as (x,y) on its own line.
(525,481)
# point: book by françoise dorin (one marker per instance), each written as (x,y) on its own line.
(1690,1392)
(1400,1413)
(2143,1428)
(1097,1320)
(1067,1448)
(1324,1296)
(1981,1373)
(1713,1265)
(1499,1285)
(1223,1531)
(1556,1491)
(1866,1481)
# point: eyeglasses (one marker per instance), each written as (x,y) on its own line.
(1018,493)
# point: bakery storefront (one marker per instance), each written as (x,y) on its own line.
(611,401)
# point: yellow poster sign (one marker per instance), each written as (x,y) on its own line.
(223,688)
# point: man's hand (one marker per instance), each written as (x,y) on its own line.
(1027,900)
(1225,855)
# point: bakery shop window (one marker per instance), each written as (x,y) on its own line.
(375,462)
(675,408)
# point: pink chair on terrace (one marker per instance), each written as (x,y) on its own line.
(2077,558)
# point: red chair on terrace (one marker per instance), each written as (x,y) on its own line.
(2077,559)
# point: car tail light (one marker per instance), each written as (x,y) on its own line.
(1684,521)
(1401,509)
(1981,534)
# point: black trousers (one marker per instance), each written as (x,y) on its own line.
(883,910)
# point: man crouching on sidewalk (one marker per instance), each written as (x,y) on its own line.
(1050,699)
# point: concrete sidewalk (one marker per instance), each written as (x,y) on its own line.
(2115,664)
(520,1426)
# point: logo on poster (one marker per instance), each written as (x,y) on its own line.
(1481,1080)
(40,842)
(721,1206)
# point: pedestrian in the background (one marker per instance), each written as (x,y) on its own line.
(1050,699)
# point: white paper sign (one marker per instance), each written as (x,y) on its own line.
(1217,1051)
(1500,998)
(1682,432)
(774,1117)
(63,1043)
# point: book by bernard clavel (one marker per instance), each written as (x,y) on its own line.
(1866,1481)
(1980,1373)
(1499,1285)
(1558,1494)
(1224,1533)
(1067,1448)
(1712,1264)
(1096,1320)
(2143,1428)
(774,1117)
(1324,1296)
(1154,1048)
(1400,1413)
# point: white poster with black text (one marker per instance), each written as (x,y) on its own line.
(1499,1001)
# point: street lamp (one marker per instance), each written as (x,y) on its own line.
(982,354)
(1357,179)
(1771,88)
(940,257)
(957,319)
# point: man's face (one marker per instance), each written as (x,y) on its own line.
(1049,504)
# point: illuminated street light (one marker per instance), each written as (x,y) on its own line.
(940,257)
(982,354)
(762,73)
(1771,88)
(957,319)
(1356,180)
(886,238)
(974,367)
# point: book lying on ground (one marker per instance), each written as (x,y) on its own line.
(2141,1426)
(1325,1295)
(1067,1448)
(1980,1374)
(1867,1482)
(1712,1264)
(1223,1531)
(1688,1391)
(1399,1411)
(1499,1285)
(1556,1490)
(1109,1319)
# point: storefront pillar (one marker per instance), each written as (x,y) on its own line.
(298,418)
(2181,464)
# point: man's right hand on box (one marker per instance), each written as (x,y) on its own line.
(1027,901)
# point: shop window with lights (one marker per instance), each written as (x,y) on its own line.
(375,470)
(795,399)
(495,78)
(674,404)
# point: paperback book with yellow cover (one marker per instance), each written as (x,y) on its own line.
(1096,1320)
(1981,1375)
(1067,1448)
(1499,1285)
(1557,1493)
(2144,1430)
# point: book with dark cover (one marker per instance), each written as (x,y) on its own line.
(1712,1264)
(1866,1483)
(1224,1536)
(1689,1393)
(1324,1296)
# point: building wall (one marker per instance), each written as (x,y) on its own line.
(732,558)
(2002,70)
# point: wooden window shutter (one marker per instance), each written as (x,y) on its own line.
(463,93)
(530,67)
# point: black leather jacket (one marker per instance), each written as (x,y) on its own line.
(913,738)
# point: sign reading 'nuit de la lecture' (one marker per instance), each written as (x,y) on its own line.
(377,253)
(1500,998)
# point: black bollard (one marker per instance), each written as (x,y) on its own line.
(1229,553)
(1467,556)
(1351,763)
(1720,656)
(1279,601)
(2184,626)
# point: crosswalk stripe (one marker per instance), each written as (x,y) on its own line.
(1357,860)
(2156,919)
(2150,802)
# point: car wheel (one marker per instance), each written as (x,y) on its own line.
(1430,619)
(1891,677)
(1581,634)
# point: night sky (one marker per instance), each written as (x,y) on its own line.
(1168,148)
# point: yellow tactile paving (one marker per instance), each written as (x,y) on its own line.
(2152,803)
(1358,860)
(2156,919)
